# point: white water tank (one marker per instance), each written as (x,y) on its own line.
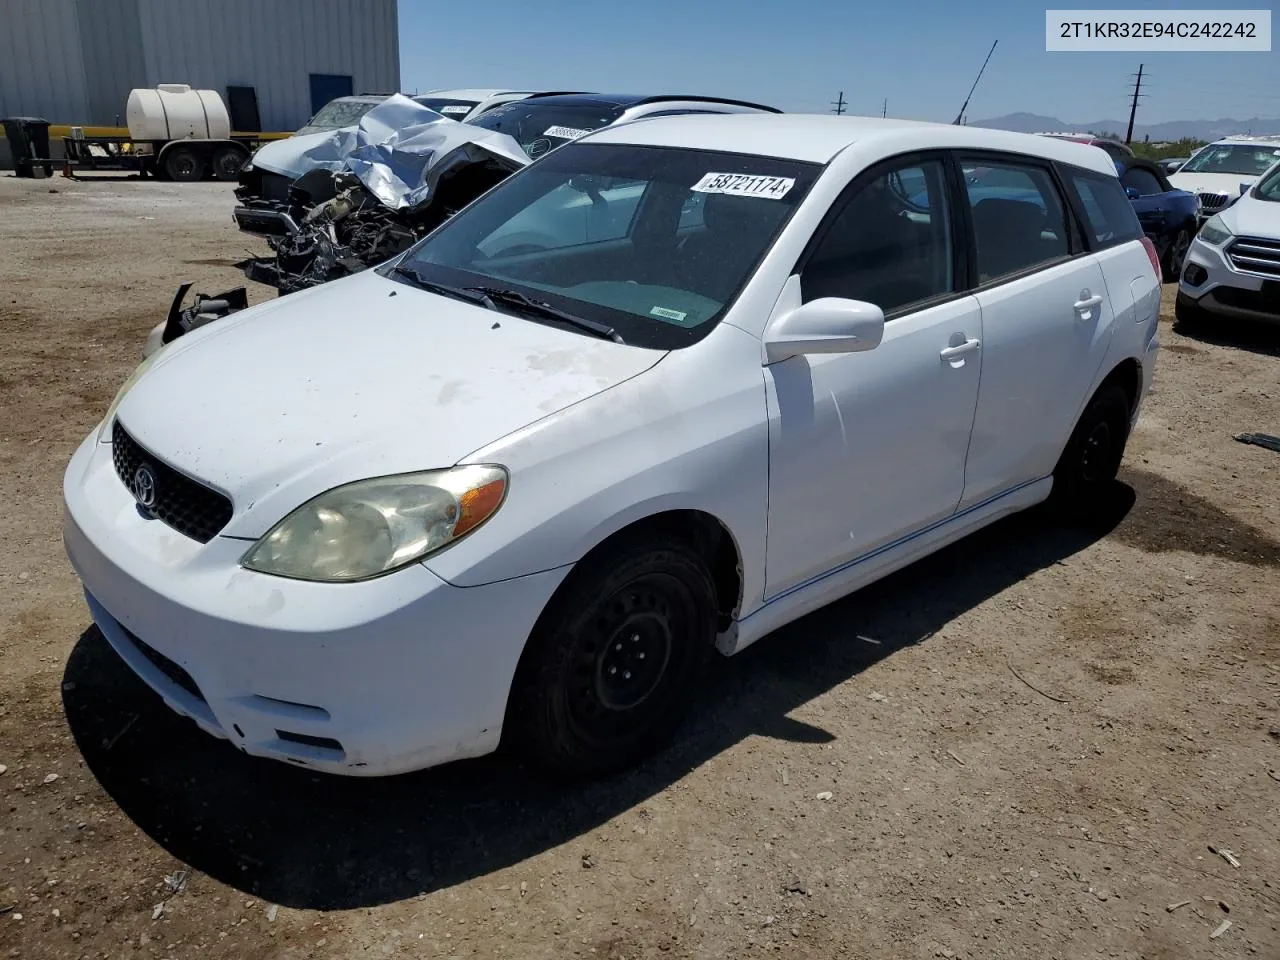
(173,111)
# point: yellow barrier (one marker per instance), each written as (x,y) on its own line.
(59,130)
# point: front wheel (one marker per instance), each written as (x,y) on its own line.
(1176,255)
(615,660)
(1091,460)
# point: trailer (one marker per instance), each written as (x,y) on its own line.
(175,133)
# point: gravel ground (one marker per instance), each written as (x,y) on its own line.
(1029,745)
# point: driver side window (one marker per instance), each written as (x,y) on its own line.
(889,245)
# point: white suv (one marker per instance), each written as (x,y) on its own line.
(1233,267)
(1221,171)
(526,489)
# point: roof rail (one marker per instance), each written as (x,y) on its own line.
(701,99)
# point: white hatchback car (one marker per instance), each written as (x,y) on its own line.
(525,489)
(1233,267)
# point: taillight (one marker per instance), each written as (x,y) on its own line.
(1153,256)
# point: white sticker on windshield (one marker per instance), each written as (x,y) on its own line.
(745,185)
(456,108)
(666,314)
(565,133)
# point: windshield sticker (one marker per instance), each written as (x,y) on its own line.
(456,108)
(565,133)
(745,185)
(666,314)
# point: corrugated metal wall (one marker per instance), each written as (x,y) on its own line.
(74,61)
(272,45)
(41,70)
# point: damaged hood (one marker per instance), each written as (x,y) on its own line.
(398,151)
(1228,183)
(360,378)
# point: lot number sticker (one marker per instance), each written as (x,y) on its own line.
(745,185)
(565,133)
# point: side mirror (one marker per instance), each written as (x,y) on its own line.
(1132,193)
(828,325)
(1244,188)
(1174,167)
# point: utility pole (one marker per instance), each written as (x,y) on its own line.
(1133,110)
(884,111)
(838,103)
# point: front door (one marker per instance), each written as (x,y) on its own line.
(867,448)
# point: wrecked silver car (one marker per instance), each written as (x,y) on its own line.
(334,203)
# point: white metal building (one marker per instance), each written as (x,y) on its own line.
(274,61)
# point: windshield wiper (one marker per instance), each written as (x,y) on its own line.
(516,299)
(422,283)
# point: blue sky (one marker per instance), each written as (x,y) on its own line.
(797,55)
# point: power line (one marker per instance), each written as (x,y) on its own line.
(839,104)
(1133,110)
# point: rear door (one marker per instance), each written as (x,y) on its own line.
(1046,321)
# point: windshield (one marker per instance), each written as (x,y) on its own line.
(653,242)
(1268,187)
(1233,158)
(454,109)
(541,127)
(338,113)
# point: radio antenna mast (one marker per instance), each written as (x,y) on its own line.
(960,116)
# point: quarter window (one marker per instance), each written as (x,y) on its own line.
(890,245)
(1019,221)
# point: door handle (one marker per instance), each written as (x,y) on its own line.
(1087,302)
(958,351)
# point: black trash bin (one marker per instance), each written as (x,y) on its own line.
(28,141)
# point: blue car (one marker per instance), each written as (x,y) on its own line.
(1167,214)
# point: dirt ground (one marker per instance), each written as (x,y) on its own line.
(1028,746)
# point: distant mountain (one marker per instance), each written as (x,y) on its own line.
(1171,130)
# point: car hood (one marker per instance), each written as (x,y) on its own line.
(1250,217)
(358,378)
(1228,183)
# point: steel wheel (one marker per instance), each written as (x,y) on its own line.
(615,659)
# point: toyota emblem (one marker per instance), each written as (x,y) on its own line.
(144,486)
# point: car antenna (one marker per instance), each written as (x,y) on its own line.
(960,116)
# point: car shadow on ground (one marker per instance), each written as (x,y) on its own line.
(313,841)
(1255,336)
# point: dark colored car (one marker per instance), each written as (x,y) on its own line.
(543,122)
(1167,214)
(1114,148)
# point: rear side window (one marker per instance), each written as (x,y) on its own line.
(1144,181)
(1019,221)
(1109,213)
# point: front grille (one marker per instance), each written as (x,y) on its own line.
(187,505)
(1255,255)
(1212,201)
(168,668)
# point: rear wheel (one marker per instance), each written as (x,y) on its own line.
(1176,255)
(1091,460)
(615,660)
(227,162)
(183,164)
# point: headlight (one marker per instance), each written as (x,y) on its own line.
(371,527)
(104,431)
(1215,231)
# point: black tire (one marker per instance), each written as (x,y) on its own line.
(1088,466)
(227,162)
(615,660)
(184,165)
(1176,255)
(1188,316)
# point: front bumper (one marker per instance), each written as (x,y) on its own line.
(394,674)
(1224,291)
